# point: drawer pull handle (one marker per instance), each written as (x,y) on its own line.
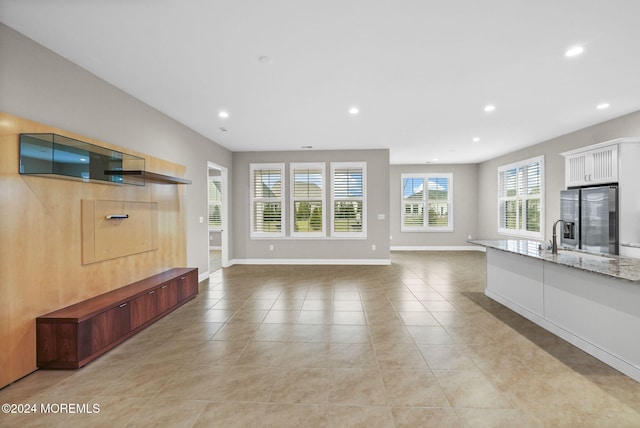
(164,286)
(117,216)
(182,279)
(122,305)
(151,292)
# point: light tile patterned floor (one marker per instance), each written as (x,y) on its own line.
(414,344)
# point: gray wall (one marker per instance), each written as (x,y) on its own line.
(624,126)
(39,85)
(465,203)
(296,249)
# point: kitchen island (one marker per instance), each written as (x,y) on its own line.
(592,301)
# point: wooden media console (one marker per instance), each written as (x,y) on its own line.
(72,337)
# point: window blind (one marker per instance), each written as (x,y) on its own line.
(307,199)
(348,190)
(267,200)
(520,197)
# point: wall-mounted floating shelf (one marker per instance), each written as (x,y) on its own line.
(57,155)
(149,176)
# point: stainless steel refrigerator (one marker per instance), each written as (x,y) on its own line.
(591,219)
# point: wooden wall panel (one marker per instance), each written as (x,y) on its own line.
(41,253)
(106,239)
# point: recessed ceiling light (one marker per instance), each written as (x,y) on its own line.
(489,108)
(435,159)
(476,139)
(353,111)
(574,51)
(223,114)
(602,106)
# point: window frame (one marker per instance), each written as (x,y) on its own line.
(425,227)
(293,199)
(521,199)
(362,234)
(281,199)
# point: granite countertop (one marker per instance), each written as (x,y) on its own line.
(605,264)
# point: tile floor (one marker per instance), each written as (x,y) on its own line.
(414,344)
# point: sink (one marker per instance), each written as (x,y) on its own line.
(585,256)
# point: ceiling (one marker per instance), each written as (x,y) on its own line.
(420,72)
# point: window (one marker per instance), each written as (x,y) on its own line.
(307,199)
(267,200)
(427,202)
(348,203)
(520,198)
(215,203)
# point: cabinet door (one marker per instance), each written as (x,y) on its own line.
(143,309)
(109,326)
(187,286)
(167,296)
(576,170)
(598,166)
(604,165)
(56,342)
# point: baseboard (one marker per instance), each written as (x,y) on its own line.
(439,248)
(204,275)
(377,262)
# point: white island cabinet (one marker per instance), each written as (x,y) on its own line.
(519,280)
(590,301)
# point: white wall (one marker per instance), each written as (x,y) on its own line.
(37,84)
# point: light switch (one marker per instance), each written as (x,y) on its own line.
(201,220)
(380,216)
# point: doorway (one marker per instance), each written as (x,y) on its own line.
(217,217)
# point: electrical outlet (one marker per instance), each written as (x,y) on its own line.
(469,237)
(270,247)
(373,247)
(201,220)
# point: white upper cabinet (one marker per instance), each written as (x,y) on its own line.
(591,166)
(600,163)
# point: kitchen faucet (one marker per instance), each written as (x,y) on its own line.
(554,242)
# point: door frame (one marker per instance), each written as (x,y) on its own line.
(224,234)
